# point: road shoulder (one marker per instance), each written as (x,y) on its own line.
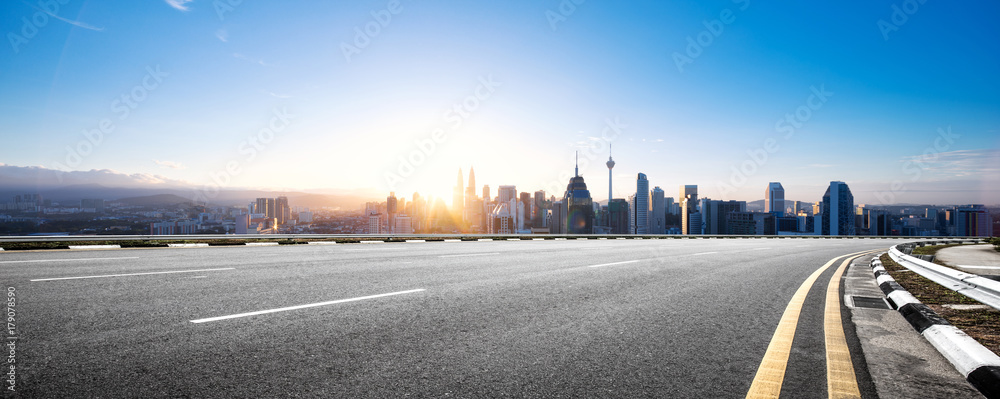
(901,362)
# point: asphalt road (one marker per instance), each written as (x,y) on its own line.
(594,318)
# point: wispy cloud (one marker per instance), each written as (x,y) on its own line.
(169,164)
(277,95)
(222,35)
(248,59)
(179,4)
(71,22)
(978,164)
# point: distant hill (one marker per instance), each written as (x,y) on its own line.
(156,200)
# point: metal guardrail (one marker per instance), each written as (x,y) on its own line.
(971,285)
(401,237)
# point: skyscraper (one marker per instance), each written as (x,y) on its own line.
(265,206)
(640,212)
(972,221)
(688,200)
(527,205)
(538,213)
(714,214)
(473,208)
(392,210)
(774,199)
(618,215)
(458,200)
(579,206)
(838,210)
(658,221)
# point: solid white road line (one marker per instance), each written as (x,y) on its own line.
(373,249)
(979,267)
(460,255)
(311,305)
(134,274)
(614,263)
(704,253)
(65,260)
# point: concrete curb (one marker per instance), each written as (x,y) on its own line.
(95,247)
(195,245)
(261,244)
(979,365)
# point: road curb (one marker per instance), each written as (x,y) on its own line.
(95,247)
(194,245)
(979,365)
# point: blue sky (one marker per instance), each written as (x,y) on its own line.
(549,75)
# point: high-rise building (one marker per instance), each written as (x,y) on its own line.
(473,208)
(972,221)
(640,210)
(392,210)
(877,221)
(486,194)
(714,214)
(838,210)
(94,205)
(402,225)
(688,199)
(538,213)
(774,199)
(506,193)
(527,205)
(458,199)
(658,219)
(579,206)
(265,206)
(618,216)
(470,190)
(557,221)
(374,223)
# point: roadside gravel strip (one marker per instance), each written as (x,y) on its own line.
(979,365)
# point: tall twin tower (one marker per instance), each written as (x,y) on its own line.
(460,194)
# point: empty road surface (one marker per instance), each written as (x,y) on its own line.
(587,318)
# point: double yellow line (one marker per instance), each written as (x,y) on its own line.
(841,380)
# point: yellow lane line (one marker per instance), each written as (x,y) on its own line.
(841,381)
(771,372)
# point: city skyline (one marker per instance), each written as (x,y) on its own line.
(394,96)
